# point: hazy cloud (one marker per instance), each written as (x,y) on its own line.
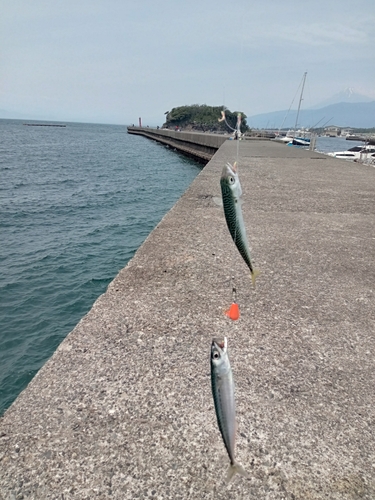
(114,60)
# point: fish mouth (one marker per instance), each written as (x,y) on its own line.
(220,343)
(229,170)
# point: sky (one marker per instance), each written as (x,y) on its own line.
(113,61)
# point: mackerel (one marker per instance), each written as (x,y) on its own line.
(222,385)
(231,192)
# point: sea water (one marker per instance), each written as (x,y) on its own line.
(75,204)
(331,144)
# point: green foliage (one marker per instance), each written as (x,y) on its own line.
(203,117)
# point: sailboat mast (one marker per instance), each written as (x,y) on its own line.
(300,100)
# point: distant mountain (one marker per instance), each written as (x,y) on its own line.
(342,114)
(347,95)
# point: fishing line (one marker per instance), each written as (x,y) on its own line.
(233,312)
(232,278)
(238,136)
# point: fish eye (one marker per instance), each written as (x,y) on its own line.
(216,355)
(231,180)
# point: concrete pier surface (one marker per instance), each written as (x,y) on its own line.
(124,410)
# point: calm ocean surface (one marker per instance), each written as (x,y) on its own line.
(75,204)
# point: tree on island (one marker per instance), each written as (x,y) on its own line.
(204,118)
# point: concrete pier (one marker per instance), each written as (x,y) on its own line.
(199,146)
(123,409)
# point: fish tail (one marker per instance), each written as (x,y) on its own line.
(235,469)
(254,274)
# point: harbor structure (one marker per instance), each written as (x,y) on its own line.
(123,408)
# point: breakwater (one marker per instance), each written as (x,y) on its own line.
(199,146)
(123,409)
(43,125)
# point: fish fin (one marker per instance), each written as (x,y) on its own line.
(218,201)
(254,276)
(236,469)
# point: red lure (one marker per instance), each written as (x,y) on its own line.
(233,312)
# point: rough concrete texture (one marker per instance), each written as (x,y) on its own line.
(124,409)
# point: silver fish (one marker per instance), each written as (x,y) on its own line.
(231,194)
(223,393)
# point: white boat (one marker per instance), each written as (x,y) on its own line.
(299,141)
(296,137)
(289,140)
(357,153)
(299,138)
(283,138)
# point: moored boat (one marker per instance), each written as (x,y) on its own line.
(357,153)
(296,137)
(299,141)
